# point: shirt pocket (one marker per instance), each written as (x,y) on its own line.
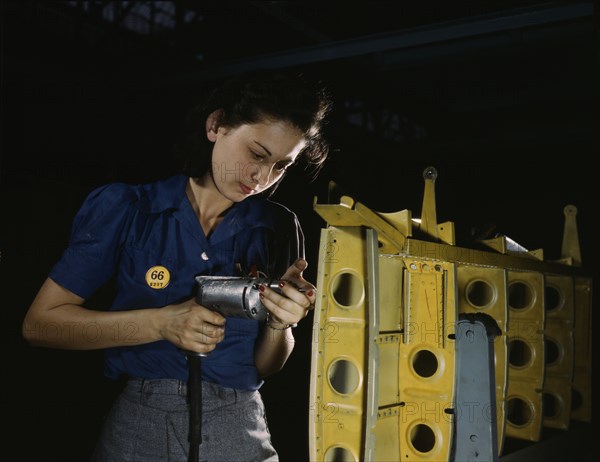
(146,278)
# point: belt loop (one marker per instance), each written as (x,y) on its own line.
(142,387)
(180,387)
(138,381)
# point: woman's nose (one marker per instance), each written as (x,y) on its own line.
(261,173)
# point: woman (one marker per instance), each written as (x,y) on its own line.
(155,238)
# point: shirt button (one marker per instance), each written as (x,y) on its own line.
(204,256)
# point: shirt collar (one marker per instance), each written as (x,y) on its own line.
(167,194)
(252,212)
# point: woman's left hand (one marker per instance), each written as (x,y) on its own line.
(291,305)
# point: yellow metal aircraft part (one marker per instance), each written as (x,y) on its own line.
(348,213)
(340,352)
(526,354)
(570,244)
(408,359)
(581,406)
(428,212)
(560,312)
(383,363)
(427,359)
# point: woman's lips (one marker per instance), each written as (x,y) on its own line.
(245,189)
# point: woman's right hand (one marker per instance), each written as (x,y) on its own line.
(192,327)
(57,319)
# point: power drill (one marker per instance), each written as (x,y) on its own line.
(237,297)
(230,296)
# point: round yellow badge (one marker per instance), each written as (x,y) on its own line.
(158,277)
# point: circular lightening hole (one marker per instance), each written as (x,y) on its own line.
(422,438)
(338,454)
(343,376)
(551,405)
(425,363)
(518,412)
(480,293)
(552,351)
(347,290)
(520,295)
(576,399)
(554,298)
(519,353)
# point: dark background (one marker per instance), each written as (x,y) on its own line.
(501,97)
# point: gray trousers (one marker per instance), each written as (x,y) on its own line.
(149,422)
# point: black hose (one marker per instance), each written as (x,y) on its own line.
(194,395)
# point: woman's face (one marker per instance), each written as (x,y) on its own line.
(250,158)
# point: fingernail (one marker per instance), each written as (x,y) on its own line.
(261,288)
(281,284)
(261,296)
(310,293)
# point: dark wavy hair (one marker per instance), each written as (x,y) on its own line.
(252,98)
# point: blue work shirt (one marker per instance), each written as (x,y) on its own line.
(147,234)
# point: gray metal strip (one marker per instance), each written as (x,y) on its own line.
(476,434)
(371,405)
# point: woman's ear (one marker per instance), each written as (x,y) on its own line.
(212,124)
